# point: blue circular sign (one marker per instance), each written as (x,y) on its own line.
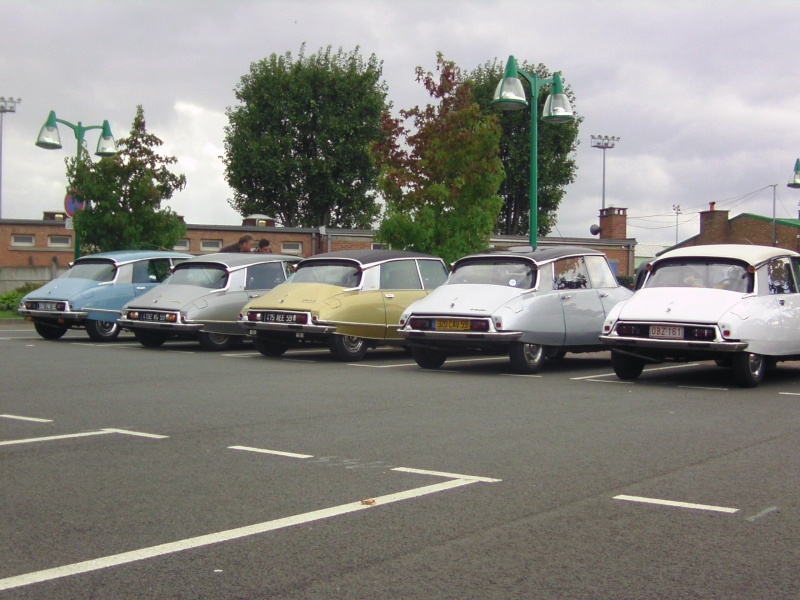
(73,204)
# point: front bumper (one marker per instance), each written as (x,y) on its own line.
(71,316)
(181,328)
(672,347)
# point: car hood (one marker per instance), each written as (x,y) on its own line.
(687,305)
(469,299)
(296,296)
(62,289)
(170,297)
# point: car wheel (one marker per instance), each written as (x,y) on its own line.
(269,347)
(748,369)
(427,358)
(214,342)
(554,353)
(626,367)
(49,332)
(526,358)
(347,347)
(148,339)
(102,331)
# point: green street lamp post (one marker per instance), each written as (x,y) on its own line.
(510,95)
(794,182)
(50,139)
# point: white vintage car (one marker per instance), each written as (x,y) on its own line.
(735,304)
(532,305)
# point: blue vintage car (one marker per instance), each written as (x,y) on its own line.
(92,292)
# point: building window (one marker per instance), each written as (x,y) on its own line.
(210,245)
(182,245)
(23,240)
(377,246)
(59,241)
(295,248)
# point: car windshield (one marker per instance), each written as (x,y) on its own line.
(714,274)
(213,277)
(100,270)
(346,276)
(495,272)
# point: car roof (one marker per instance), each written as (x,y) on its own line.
(754,255)
(364,257)
(125,256)
(537,256)
(235,260)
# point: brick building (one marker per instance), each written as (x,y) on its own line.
(39,250)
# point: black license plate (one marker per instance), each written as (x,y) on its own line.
(272,317)
(154,316)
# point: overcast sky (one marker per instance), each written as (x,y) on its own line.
(705,95)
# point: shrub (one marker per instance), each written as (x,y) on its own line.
(626,281)
(10,300)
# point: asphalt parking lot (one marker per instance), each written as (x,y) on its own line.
(175,473)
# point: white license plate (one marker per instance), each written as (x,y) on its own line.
(666,332)
(47,306)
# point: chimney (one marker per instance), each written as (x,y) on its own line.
(614,223)
(713,225)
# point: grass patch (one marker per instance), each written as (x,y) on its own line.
(9,314)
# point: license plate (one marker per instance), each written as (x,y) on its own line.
(279,317)
(47,306)
(152,316)
(666,332)
(452,324)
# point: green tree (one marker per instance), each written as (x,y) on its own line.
(125,193)
(440,181)
(297,145)
(557,145)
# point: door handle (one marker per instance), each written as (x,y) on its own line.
(603,295)
(566,296)
(781,302)
(139,289)
(388,296)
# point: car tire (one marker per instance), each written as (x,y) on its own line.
(626,367)
(748,369)
(526,359)
(215,342)
(269,347)
(554,353)
(347,348)
(102,331)
(49,332)
(428,358)
(148,339)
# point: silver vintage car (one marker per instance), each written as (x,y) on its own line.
(203,297)
(531,305)
(738,305)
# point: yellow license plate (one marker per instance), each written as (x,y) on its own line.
(452,325)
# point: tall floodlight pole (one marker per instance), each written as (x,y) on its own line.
(794,182)
(774,226)
(677,209)
(604,142)
(6,105)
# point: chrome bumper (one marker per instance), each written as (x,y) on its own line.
(629,343)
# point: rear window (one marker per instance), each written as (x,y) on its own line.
(207,276)
(714,274)
(94,270)
(495,272)
(341,275)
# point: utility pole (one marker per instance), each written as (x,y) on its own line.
(677,209)
(6,105)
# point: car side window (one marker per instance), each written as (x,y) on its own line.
(780,277)
(600,273)
(570,274)
(141,271)
(400,275)
(158,269)
(433,272)
(264,276)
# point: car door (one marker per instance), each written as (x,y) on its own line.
(583,309)
(604,283)
(784,278)
(400,285)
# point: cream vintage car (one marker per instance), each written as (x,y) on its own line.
(735,304)
(347,300)
(531,305)
(203,297)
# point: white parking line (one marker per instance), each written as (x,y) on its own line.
(448,475)
(230,534)
(84,434)
(275,452)
(789,393)
(677,504)
(34,419)
(681,366)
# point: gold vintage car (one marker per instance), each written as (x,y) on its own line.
(348,300)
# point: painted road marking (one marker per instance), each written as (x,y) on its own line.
(84,434)
(234,534)
(413,364)
(789,393)
(681,366)
(763,513)
(677,504)
(275,452)
(447,475)
(34,419)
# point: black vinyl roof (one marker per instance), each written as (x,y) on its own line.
(363,257)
